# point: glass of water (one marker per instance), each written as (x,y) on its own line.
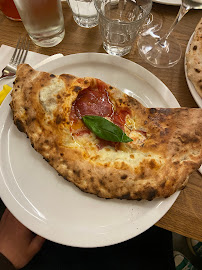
(120,22)
(84,12)
(43,20)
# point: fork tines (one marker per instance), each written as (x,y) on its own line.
(20,52)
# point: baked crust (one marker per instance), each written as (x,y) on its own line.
(153,165)
(194,59)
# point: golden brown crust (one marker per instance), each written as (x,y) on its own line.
(194,59)
(153,165)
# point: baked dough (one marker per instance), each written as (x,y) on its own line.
(165,150)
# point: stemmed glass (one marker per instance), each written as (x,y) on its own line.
(164,52)
(153,23)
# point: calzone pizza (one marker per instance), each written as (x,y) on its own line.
(104,141)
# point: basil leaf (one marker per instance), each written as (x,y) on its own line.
(105,129)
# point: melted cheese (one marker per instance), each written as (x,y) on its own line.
(48,95)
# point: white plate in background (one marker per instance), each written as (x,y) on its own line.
(169,2)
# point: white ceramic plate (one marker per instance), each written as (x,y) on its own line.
(192,89)
(169,2)
(55,208)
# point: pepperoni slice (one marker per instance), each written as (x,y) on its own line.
(93,101)
(119,117)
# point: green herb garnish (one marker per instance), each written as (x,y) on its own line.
(105,129)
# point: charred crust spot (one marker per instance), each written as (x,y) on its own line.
(42,85)
(52,75)
(101,182)
(30,88)
(20,125)
(31,70)
(58,96)
(46,141)
(120,100)
(77,89)
(152,164)
(61,154)
(162,185)
(152,110)
(14,83)
(46,159)
(32,145)
(86,81)
(77,172)
(124,176)
(125,196)
(110,87)
(145,122)
(92,179)
(151,194)
(197,70)
(132,101)
(58,119)
(176,162)
(186,139)
(195,48)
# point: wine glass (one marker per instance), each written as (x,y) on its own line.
(152,23)
(164,52)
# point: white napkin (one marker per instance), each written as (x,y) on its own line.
(33,59)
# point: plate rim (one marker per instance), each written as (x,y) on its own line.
(168,3)
(9,200)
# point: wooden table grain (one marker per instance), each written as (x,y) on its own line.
(185,216)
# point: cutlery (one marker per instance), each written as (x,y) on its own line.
(17,58)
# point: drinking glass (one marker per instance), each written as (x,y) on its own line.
(120,22)
(43,20)
(164,52)
(84,12)
(9,10)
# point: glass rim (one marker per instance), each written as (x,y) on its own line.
(145,12)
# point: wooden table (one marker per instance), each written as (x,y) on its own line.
(185,216)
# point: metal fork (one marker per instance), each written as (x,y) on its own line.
(17,58)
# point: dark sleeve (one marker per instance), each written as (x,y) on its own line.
(5,264)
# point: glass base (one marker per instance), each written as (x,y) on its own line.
(116,50)
(159,54)
(85,21)
(49,41)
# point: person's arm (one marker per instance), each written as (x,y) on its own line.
(18,245)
